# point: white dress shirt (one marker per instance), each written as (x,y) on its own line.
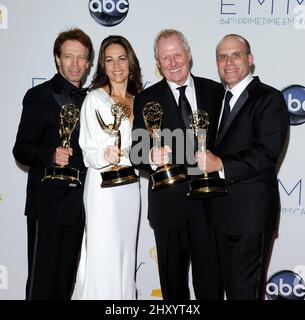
(236,91)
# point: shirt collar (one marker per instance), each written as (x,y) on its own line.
(241,86)
(189,82)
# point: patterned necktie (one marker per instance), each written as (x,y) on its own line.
(184,107)
(226,111)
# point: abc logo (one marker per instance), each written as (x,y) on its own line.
(295,99)
(285,285)
(108,12)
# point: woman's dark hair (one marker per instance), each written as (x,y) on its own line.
(100,78)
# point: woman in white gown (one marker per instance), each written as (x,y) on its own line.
(108,256)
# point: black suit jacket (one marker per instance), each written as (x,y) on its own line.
(249,147)
(36,141)
(169,207)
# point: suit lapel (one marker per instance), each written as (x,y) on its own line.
(240,103)
(60,93)
(199,95)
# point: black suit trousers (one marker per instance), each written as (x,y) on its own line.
(191,243)
(53,252)
(244,260)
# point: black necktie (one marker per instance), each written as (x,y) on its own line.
(226,111)
(184,106)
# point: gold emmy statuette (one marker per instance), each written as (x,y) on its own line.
(63,176)
(167,174)
(116,174)
(156,292)
(206,185)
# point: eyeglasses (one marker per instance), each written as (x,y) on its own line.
(223,57)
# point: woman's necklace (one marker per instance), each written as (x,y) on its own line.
(126,102)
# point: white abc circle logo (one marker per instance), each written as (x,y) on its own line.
(285,285)
(108,12)
(295,99)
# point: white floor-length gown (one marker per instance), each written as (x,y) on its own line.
(108,255)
